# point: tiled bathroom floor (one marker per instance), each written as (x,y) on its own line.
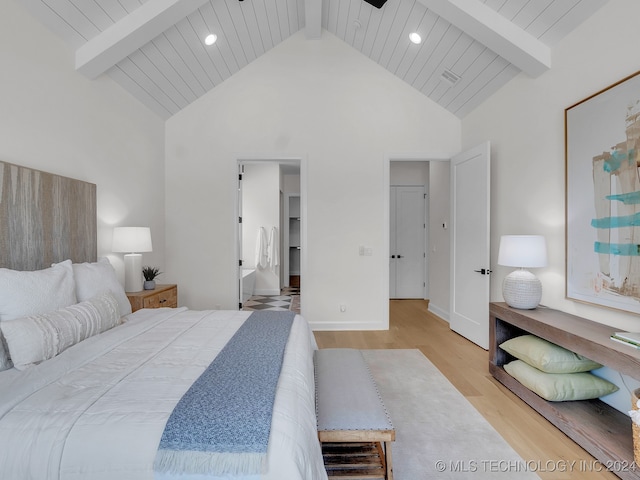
(273,302)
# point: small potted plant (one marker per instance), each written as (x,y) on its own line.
(149,274)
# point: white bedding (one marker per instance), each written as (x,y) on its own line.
(97,410)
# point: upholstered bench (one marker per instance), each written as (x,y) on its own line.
(353,422)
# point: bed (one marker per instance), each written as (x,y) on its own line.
(87,388)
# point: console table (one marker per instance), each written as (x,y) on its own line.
(601,430)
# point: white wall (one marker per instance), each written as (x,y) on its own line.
(525,123)
(439,241)
(54,119)
(410,173)
(260,208)
(290,184)
(342,114)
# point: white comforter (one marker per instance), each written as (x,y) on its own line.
(97,411)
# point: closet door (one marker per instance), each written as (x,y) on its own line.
(407,242)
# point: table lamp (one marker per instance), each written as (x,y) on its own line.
(521,288)
(132,241)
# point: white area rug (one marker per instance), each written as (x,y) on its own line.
(439,434)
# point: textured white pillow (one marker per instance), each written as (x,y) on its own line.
(36,338)
(41,291)
(5,361)
(93,278)
(30,293)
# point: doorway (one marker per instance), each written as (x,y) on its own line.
(408,233)
(262,234)
(449,275)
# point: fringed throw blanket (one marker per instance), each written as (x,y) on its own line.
(221,425)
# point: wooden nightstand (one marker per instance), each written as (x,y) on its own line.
(161,296)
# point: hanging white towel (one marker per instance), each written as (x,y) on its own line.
(262,260)
(273,249)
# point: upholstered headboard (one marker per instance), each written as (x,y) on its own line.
(45,218)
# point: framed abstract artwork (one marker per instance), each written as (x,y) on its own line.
(602,151)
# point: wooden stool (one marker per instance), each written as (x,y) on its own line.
(353,423)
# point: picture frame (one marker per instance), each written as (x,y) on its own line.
(602,204)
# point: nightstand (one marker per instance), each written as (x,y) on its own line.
(161,296)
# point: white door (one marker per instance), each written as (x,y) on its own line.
(470,267)
(407,242)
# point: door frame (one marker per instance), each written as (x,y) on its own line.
(386,178)
(302,161)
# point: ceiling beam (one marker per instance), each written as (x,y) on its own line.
(132,32)
(496,32)
(313,18)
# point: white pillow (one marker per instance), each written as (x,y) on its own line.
(40,291)
(5,361)
(36,338)
(30,293)
(93,278)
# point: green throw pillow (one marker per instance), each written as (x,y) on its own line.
(547,356)
(559,387)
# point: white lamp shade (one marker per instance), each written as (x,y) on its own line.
(132,239)
(522,251)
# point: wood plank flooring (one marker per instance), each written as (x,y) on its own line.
(544,449)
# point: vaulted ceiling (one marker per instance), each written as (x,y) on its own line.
(155,48)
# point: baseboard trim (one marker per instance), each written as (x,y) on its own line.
(443,314)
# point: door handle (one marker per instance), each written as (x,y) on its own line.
(483,271)
(400,256)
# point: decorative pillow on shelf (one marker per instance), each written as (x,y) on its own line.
(30,293)
(547,356)
(36,338)
(559,387)
(93,278)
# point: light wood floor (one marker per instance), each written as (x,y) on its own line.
(542,447)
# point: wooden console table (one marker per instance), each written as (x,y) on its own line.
(601,430)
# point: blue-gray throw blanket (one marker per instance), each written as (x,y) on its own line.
(221,425)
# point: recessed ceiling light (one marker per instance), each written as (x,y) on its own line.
(210,39)
(415,38)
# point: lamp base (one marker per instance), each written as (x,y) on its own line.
(133,272)
(522,289)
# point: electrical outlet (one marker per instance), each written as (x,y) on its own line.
(343,308)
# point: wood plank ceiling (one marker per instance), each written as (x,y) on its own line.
(155,49)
